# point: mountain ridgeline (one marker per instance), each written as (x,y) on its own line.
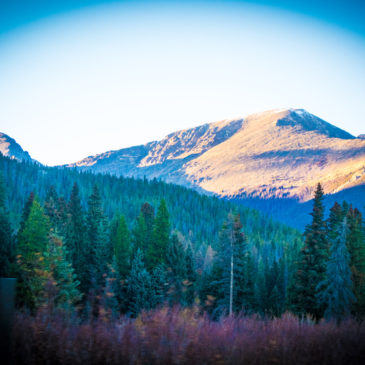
(10,148)
(270,161)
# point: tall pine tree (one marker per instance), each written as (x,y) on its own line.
(157,249)
(76,240)
(98,251)
(336,289)
(304,291)
(6,239)
(31,265)
(140,292)
(122,247)
(356,248)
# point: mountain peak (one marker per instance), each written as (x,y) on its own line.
(308,122)
(10,148)
(274,154)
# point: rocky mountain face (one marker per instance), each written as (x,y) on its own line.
(10,148)
(271,155)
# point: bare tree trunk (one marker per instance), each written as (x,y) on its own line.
(231,287)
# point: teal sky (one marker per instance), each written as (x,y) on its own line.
(83,77)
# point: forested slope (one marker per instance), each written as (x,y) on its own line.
(198,217)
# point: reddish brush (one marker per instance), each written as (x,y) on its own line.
(183,336)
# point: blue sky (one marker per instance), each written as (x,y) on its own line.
(83,77)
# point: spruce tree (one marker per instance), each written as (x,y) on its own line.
(336,289)
(139,287)
(6,239)
(177,269)
(62,218)
(157,249)
(159,285)
(97,250)
(31,265)
(122,247)
(356,248)
(233,269)
(111,296)
(66,293)
(191,277)
(243,271)
(26,211)
(334,221)
(311,271)
(222,270)
(148,214)
(51,208)
(139,235)
(143,228)
(76,240)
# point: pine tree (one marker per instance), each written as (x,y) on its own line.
(334,221)
(143,228)
(64,280)
(177,269)
(62,218)
(76,240)
(222,270)
(157,249)
(233,269)
(159,285)
(356,248)
(6,239)
(139,286)
(311,271)
(110,303)
(336,289)
(26,211)
(275,289)
(243,271)
(122,247)
(191,277)
(139,235)
(261,304)
(50,207)
(31,265)
(148,214)
(98,252)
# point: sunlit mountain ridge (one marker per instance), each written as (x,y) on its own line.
(275,154)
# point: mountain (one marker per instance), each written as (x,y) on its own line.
(163,159)
(271,155)
(10,148)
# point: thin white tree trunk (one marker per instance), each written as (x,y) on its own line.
(231,276)
(231,287)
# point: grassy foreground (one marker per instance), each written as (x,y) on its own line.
(176,336)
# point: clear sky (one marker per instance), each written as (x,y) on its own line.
(82,77)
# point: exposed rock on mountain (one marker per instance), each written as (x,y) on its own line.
(274,154)
(10,148)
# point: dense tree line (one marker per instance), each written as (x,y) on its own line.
(330,276)
(189,211)
(70,252)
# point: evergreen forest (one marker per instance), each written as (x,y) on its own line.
(98,250)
